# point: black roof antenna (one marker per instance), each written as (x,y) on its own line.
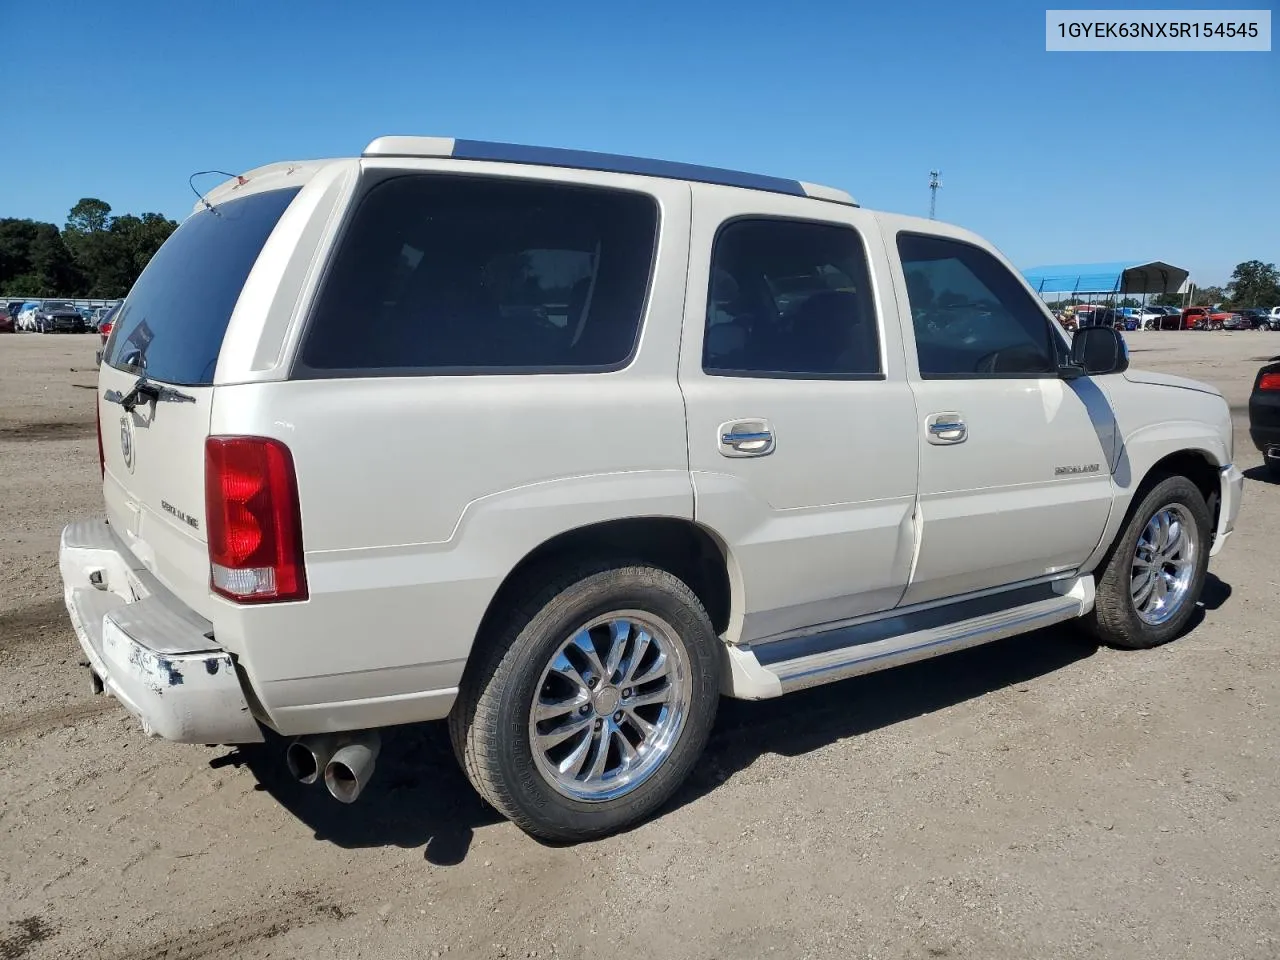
(200,196)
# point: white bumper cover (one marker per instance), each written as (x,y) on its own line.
(1232,491)
(148,649)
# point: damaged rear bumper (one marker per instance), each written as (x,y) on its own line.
(148,649)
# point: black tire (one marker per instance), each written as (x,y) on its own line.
(489,725)
(1114,620)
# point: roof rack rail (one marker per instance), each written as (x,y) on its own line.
(590,160)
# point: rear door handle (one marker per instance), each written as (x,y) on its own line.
(745,438)
(946,428)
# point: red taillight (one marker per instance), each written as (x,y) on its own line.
(102,460)
(253,520)
(1269,381)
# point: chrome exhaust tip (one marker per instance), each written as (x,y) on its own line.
(306,757)
(351,767)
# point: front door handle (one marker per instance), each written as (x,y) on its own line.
(745,438)
(946,428)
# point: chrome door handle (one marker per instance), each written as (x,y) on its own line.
(946,428)
(745,438)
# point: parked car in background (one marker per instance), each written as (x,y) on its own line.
(1193,318)
(1264,416)
(59,316)
(1257,317)
(1148,317)
(107,321)
(13,306)
(1102,317)
(27,316)
(7,323)
(99,314)
(1235,321)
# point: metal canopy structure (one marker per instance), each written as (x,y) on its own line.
(1119,278)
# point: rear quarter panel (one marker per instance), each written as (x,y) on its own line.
(419,494)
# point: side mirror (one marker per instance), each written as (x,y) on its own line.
(1098,350)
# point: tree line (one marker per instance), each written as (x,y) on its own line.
(95,254)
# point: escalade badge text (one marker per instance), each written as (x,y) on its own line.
(1075,468)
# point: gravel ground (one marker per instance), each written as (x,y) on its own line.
(1034,798)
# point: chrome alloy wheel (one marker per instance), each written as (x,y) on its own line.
(610,706)
(1164,564)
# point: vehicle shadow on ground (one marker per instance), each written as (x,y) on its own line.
(809,720)
(419,796)
(1262,475)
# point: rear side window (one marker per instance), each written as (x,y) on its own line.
(445,274)
(790,299)
(172,323)
(972,317)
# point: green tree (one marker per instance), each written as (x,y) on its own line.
(88,216)
(1167,300)
(1254,284)
(16,237)
(1207,296)
(51,263)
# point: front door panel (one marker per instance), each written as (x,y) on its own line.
(1015,463)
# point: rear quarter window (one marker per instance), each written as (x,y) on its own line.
(172,324)
(440,274)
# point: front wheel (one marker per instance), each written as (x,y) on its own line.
(1149,585)
(591,705)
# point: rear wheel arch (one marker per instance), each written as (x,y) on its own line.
(682,547)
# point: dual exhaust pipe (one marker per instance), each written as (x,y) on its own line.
(345,761)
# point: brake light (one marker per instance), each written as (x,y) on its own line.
(102,460)
(1269,381)
(253,520)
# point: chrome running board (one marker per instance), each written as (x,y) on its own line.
(782,666)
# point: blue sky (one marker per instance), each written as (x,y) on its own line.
(1055,157)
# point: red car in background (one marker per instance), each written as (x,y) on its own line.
(1192,318)
(105,324)
(7,324)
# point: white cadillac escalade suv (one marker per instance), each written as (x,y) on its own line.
(564,446)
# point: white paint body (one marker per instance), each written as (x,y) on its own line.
(419,495)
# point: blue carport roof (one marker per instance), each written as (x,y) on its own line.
(1122,276)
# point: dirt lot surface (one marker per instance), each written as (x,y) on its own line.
(1034,798)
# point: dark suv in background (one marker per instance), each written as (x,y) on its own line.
(58,316)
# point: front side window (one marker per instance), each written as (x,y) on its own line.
(972,317)
(448,274)
(790,299)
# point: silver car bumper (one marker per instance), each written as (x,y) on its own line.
(148,649)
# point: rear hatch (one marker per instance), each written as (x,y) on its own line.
(155,389)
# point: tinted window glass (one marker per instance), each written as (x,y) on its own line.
(457,274)
(971,316)
(790,299)
(172,323)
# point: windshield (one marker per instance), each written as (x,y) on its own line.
(172,323)
(56,305)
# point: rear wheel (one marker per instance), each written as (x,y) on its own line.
(592,702)
(1148,588)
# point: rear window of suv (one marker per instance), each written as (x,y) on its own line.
(440,274)
(172,323)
